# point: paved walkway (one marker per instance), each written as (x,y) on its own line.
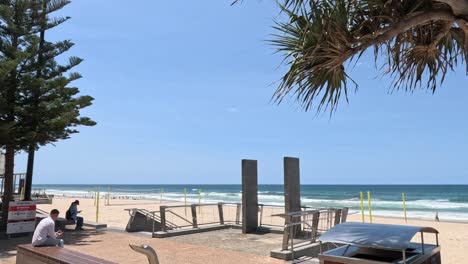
(259,244)
(113,246)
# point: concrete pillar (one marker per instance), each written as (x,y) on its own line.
(249,196)
(292,185)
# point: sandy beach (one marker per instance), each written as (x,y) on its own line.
(112,244)
(453,236)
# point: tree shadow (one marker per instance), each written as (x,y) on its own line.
(70,237)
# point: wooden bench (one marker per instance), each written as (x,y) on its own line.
(94,225)
(27,254)
(60,223)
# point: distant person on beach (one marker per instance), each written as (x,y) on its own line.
(437,217)
(45,234)
(72,214)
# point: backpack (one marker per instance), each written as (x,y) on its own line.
(68,214)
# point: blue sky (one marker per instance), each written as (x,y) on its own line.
(183,94)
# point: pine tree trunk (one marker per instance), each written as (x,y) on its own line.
(32,146)
(8,184)
(29,172)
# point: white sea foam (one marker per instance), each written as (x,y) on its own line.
(423,208)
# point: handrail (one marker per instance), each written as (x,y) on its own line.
(151,215)
(41,211)
(181,217)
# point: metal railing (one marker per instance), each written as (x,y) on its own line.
(306,226)
(196,215)
(269,215)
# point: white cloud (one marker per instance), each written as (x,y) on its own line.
(232,109)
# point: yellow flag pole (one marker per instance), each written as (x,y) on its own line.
(199,201)
(185,200)
(362,207)
(404,206)
(97,204)
(370,206)
(108,195)
(160,199)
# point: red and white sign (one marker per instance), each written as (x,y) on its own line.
(21,217)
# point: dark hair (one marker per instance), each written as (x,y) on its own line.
(54,212)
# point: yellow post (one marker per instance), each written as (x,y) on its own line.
(108,195)
(199,201)
(370,206)
(404,206)
(22,194)
(362,207)
(185,200)
(160,199)
(97,205)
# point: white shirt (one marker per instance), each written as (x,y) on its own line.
(45,229)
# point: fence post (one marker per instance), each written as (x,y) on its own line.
(284,245)
(315,222)
(221,215)
(238,209)
(370,206)
(194,215)
(162,212)
(344,214)
(152,229)
(337,217)
(261,215)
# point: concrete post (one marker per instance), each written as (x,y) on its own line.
(238,213)
(337,217)
(315,223)
(292,191)
(344,214)
(162,212)
(249,196)
(221,215)
(194,215)
(292,185)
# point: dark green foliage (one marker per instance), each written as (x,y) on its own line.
(44,105)
(420,41)
(35,91)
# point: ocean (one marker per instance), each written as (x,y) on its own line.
(422,201)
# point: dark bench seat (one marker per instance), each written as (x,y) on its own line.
(27,254)
(60,223)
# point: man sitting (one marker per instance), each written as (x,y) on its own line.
(72,214)
(45,234)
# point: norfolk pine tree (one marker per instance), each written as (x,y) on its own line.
(36,95)
(51,108)
(15,26)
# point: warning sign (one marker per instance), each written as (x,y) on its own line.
(21,217)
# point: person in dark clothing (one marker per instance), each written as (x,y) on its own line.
(72,214)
